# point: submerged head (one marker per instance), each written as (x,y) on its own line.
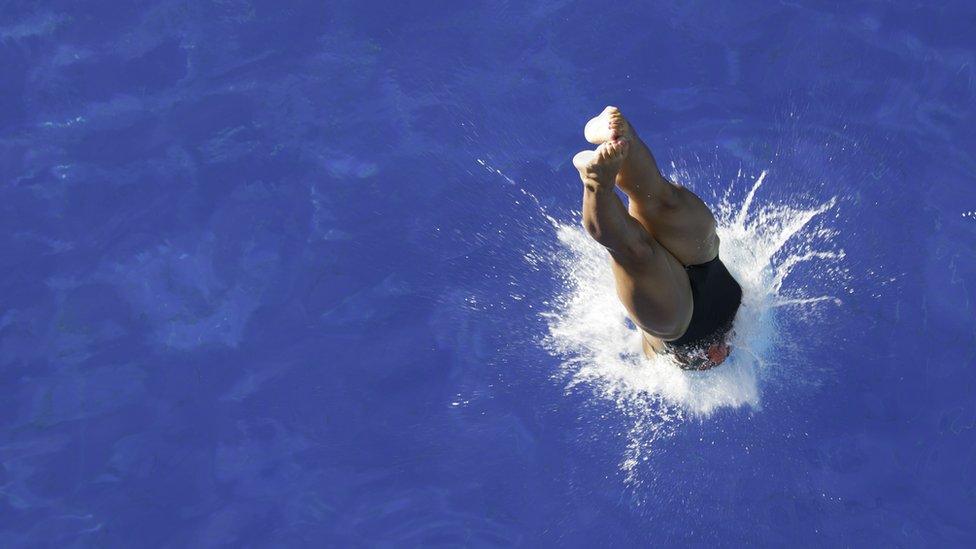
(718,352)
(703,356)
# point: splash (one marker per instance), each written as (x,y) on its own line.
(600,348)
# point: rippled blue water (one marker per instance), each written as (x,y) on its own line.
(257,290)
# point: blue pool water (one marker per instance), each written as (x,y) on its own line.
(305,274)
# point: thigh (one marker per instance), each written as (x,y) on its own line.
(683,225)
(654,288)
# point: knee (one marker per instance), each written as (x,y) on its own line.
(670,198)
(633,254)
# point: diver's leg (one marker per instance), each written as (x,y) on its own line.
(677,218)
(651,283)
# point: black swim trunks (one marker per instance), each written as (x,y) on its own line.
(716,298)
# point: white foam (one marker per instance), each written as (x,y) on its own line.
(600,349)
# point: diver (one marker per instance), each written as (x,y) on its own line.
(663,247)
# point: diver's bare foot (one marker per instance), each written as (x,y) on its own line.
(598,169)
(607,126)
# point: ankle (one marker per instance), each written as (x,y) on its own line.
(597,186)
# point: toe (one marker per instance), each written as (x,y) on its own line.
(600,128)
(624,146)
(618,127)
(615,149)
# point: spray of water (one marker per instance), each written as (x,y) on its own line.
(600,349)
